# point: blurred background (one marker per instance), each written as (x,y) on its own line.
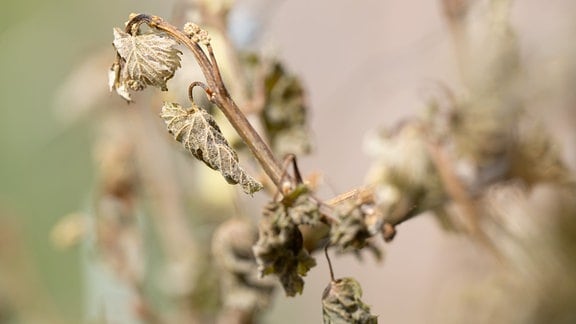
(365,64)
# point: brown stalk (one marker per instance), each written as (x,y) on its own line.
(221,97)
(239,83)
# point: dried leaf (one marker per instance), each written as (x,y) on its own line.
(284,114)
(280,251)
(116,83)
(301,209)
(148,59)
(358,223)
(341,304)
(201,136)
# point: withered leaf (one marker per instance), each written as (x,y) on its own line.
(280,251)
(341,304)
(285,111)
(146,60)
(357,224)
(285,114)
(115,82)
(301,209)
(201,136)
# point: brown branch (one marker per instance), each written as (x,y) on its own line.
(222,99)
(255,143)
(238,81)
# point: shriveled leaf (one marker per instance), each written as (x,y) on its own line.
(285,111)
(341,304)
(201,136)
(358,223)
(146,60)
(115,82)
(285,114)
(280,251)
(301,209)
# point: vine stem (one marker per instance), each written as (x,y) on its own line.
(222,99)
(329,263)
(255,143)
(220,96)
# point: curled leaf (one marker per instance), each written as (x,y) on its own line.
(341,304)
(358,223)
(301,209)
(285,113)
(280,251)
(201,136)
(145,60)
(285,108)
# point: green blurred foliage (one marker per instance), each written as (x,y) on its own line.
(45,165)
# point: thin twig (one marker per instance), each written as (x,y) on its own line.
(202,85)
(355,194)
(329,262)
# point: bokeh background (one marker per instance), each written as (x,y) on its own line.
(366,64)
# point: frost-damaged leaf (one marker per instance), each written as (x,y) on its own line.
(358,223)
(285,111)
(280,251)
(146,60)
(201,136)
(301,209)
(341,304)
(115,83)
